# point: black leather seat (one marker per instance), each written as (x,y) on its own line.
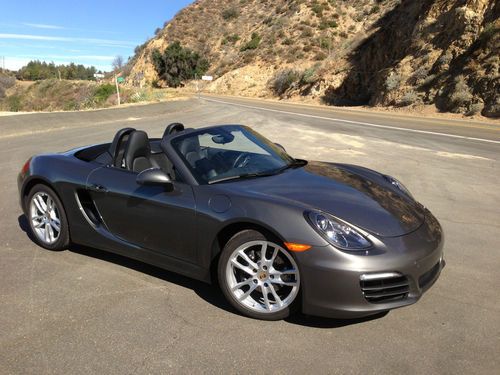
(117,148)
(137,155)
(190,148)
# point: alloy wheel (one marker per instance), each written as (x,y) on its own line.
(45,218)
(262,276)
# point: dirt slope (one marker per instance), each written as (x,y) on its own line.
(386,53)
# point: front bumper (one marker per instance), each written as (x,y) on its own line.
(341,285)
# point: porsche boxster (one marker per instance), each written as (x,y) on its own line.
(224,205)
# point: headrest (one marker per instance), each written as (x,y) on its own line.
(118,143)
(137,146)
(172,128)
(189,144)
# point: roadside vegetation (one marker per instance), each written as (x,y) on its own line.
(177,64)
(38,70)
(7,80)
(69,95)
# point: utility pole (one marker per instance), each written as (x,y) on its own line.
(117,89)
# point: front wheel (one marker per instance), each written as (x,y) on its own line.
(47,218)
(259,277)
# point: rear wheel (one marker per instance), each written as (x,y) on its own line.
(47,218)
(259,277)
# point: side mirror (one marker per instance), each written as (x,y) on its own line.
(280,146)
(154,176)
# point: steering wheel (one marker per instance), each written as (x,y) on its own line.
(242,160)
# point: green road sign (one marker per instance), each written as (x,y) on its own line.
(120,79)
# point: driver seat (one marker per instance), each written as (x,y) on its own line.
(137,156)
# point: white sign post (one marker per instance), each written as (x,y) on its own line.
(117,90)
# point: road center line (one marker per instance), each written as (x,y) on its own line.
(359,123)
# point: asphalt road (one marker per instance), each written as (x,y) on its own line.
(85,311)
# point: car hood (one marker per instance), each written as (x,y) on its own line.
(354,194)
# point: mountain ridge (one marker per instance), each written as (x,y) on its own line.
(380,53)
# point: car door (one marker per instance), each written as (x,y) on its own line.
(147,216)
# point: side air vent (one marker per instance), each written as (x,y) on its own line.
(88,208)
(384,287)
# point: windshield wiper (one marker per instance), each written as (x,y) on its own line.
(241,176)
(295,163)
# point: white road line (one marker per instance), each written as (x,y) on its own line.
(359,123)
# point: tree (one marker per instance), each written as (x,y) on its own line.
(37,70)
(177,64)
(117,63)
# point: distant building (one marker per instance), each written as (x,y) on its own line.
(98,76)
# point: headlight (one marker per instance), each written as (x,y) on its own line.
(337,232)
(395,182)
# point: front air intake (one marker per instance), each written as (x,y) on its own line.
(384,287)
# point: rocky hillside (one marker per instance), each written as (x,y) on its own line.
(384,52)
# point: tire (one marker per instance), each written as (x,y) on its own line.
(44,224)
(244,276)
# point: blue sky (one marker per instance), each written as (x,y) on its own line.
(86,32)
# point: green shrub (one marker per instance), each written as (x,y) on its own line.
(253,43)
(318,8)
(420,74)
(489,30)
(320,56)
(103,92)
(325,24)
(14,103)
(325,43)
(283,80)
(5,83)
(461,96)
(231,39)
(393,81)
(309,75)
(474,109)
(177,64)
(307,33)
(409,98)
(230,13)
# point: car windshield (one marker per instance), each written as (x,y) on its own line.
(230,152)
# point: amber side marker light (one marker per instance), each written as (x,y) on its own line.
(297,246)
(26,166)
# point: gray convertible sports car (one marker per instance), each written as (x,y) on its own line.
(225,204)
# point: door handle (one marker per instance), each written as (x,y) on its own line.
(98,188)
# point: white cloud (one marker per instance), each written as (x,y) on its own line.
(73,58)
(43,26)
(114,43)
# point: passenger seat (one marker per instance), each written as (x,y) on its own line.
(137,154)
